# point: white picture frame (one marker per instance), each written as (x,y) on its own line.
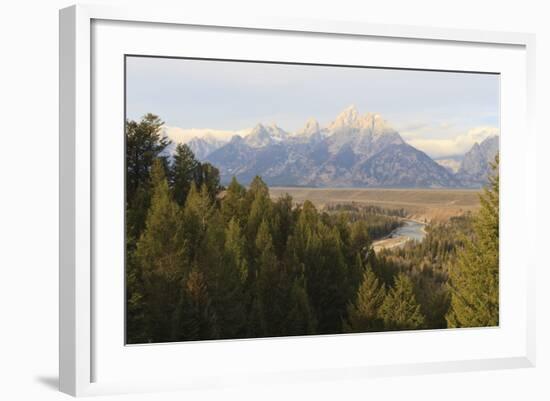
(79,346)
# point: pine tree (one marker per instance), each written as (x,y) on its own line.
(136,319)
(334,297)
(258,206)
(160,257)
(300,319)
(304,229)
(225,269)
(209,177)
(283,222)
(358,248)
(196,214)
(144,144)
(232,205)
(364,313)
(234,248)
(433,297)
(210,257)
(309,217)
(160,248)
(272,286)
(400,310)
(184,172)
(359,239)
(256,326)
(260,209)
(136,214)
(194,318)
(257,186)
(324,270)
(474,278)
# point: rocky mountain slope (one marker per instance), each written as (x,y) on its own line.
(202,147)
(476,164)
(352,151)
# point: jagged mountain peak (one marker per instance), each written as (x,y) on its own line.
(262,135)
(258,126)
(202,147)
(358,150)
(376,123)
(348,117)
(490,143)
(371,123)
(311,127)
(355,150)
(365,134)
(350,112)
(475,167)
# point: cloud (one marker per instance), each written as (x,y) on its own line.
(457,145)
(439,140)
(410,131)
(180,135)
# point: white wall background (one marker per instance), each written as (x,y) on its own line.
(29,199)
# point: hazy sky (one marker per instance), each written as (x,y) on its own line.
(441,113)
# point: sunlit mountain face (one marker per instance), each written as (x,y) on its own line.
(353,150)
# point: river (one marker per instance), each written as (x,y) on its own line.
(411,230)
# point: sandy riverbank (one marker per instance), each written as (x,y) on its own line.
(389,243)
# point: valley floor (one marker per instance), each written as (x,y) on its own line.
(420,204)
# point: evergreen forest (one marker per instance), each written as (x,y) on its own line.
(206,261)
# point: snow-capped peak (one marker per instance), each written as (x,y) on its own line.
(258,128)
(346,118)
(262,135)
(179,135)
(371,123)
(376,124)
(276,132)
(310,128)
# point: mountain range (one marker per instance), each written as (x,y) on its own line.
(476,164)
(354,150)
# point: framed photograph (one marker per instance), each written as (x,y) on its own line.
(272,200)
